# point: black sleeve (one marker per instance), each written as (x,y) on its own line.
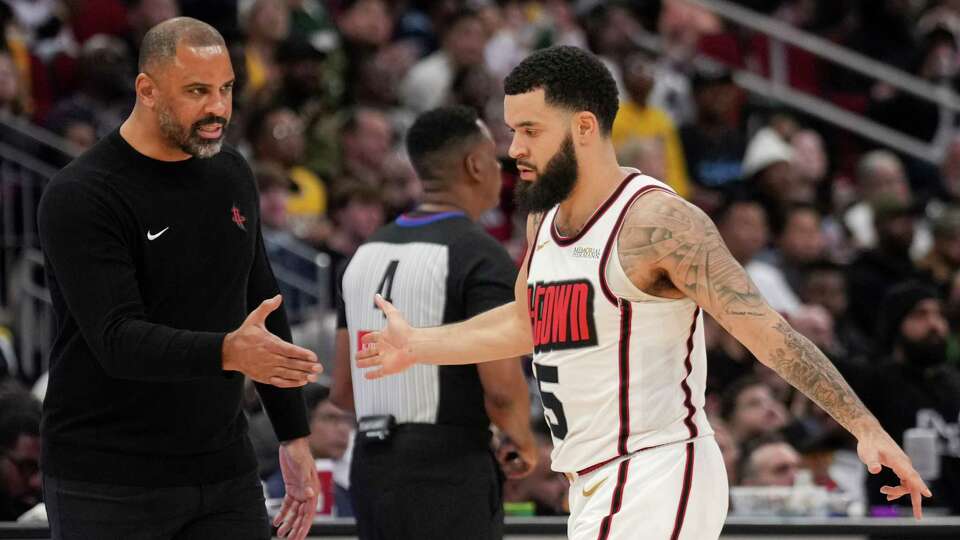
(93,268)
(490,275)
(284,406)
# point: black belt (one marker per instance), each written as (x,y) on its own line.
(423,437)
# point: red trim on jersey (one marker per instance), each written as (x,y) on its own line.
(533,247)
(684,493)
(688,364)
(626,318)
(613,237)
(566,241)
(616,501)
(592,468)
(596,466)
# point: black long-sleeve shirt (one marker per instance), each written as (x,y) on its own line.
(150,263)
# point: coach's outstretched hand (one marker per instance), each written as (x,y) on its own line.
(387,350)
(877,450)
(264,357)
(302,489)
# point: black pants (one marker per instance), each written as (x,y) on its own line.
(233,509)
(427,482)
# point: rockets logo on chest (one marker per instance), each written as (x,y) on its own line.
(561,315)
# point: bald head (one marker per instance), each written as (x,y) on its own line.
(160,42)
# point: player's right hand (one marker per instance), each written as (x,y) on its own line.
(264,357)
(388,351)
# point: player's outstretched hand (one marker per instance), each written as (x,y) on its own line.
(387,351)
(878,450)
(264,357)
(302,489)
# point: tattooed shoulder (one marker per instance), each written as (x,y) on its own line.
(666,233)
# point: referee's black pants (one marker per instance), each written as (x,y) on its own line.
(233,509)
(427,482)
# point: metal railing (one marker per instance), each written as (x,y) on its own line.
(34,315)
(777,86)
(29,156)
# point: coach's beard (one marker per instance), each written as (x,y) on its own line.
(552,186)
(190,141)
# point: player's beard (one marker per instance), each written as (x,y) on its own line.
(190,140)
(553,185)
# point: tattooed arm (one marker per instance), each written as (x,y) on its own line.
(669,247)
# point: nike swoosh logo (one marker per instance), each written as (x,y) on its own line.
(542,245)
(155,236)
(591,491)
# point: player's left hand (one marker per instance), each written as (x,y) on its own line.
(302,488)
(877,450)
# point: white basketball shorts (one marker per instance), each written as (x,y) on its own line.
(672,492)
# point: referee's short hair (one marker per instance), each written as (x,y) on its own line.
(439,135)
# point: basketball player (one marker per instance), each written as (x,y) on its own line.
(609,301)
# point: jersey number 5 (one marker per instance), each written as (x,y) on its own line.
(549,374)
(386,283)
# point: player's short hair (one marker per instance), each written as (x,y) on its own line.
(436,136)
(160,42)
(571,78)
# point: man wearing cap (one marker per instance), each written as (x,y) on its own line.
(943,260)
(912,382)
(876,271)
(879,175)
(302,63)
(714,143)
(767,166)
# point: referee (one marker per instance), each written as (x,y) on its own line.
(422,466)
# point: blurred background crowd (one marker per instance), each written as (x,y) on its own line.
(856,242)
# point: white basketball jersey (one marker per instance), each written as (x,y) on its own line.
(619,370)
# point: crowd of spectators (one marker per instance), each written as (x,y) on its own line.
(858,246)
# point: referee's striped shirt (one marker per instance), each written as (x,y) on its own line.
(436,268)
